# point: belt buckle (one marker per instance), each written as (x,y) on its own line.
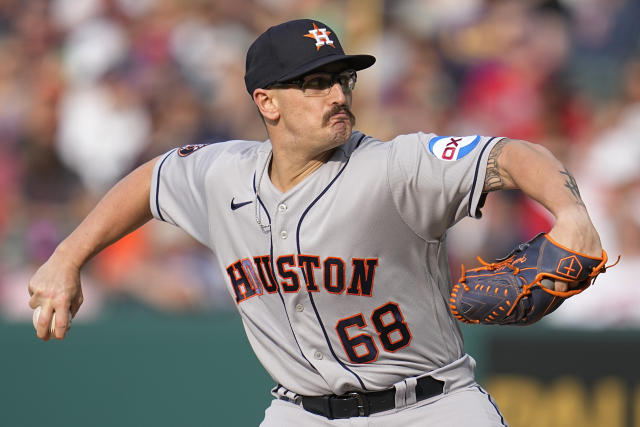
(360,399)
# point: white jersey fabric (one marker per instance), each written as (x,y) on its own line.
(342,282)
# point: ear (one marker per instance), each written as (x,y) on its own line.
(267,104)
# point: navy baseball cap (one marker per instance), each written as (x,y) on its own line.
(294,48)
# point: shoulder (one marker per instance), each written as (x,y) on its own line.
(217,152)
(233,147)
(442,148)
(361,144)
(368,148)
(420,145)
(217,157)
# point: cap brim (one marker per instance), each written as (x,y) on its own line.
(354,62)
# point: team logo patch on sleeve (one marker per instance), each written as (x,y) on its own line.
(451,148)
(184,151)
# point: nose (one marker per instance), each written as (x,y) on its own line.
(337,95)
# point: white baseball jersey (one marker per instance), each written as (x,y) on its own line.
(342,282)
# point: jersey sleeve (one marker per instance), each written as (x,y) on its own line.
(179,188)
(436,181)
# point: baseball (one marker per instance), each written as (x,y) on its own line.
(36,315)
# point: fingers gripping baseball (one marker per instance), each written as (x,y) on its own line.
(57,322)
(56,294)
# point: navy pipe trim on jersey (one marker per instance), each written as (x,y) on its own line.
(284,306)
(313,304)
(475,179)
(158,184)
(493,404)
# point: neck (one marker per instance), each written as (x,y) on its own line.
(289,168)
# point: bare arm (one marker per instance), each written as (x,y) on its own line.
(56,284)
(534,170)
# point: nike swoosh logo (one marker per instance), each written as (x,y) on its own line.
(235,206)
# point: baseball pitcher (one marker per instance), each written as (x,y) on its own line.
(333,244)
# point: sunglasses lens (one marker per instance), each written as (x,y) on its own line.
(317,84)
(320,84)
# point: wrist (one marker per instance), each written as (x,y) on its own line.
(70,255)
(574,230)
(576,219)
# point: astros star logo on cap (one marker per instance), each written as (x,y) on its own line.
(321,36)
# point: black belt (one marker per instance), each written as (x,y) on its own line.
(367,403)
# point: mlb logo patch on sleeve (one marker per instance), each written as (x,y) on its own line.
(185,150)
(451,148)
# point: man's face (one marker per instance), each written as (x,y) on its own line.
(319,113)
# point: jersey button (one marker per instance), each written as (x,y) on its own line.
(299,308)
(317,355)
(284,234)
(282,208)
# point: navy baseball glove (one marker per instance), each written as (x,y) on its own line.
(512,290)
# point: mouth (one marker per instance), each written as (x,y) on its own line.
(340,114)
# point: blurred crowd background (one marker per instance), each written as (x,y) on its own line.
(90,89)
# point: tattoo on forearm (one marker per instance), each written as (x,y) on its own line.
(493,180)
(572,185)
